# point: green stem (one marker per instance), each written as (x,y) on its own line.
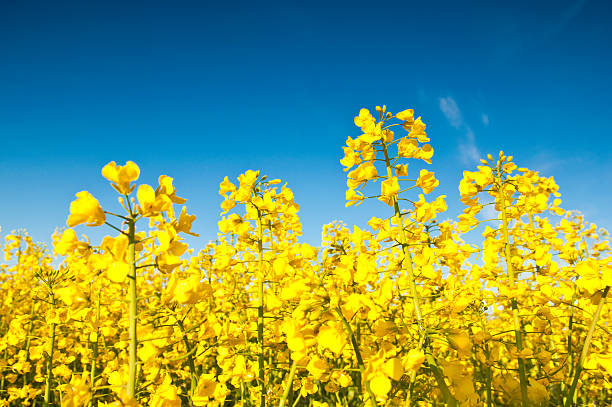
(190,361)
(4,359)
(407,263)
(585,349)
(49,380)
(408,266)
(29,340)
(358,356)
(488,373)
(260,313)
(570,353)
(289,384)
(518,335)
(94,356)
(450,400)
(133,347)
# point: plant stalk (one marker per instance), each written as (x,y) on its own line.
(585,349)
(133,347)
(518,335)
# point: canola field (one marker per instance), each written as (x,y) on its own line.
(407,312)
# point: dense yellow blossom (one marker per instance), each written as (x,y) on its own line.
(505,304)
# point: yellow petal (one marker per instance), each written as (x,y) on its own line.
(117,271)
(394,369)
(380,385)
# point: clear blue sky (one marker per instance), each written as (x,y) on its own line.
(198,91)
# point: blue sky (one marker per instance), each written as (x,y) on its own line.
(199,91)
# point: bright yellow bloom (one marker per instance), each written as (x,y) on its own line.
(380,385)
(406,115)
(151,203)
(76,393)
(393,368)
(331,337)
(389,190)
(68,243)
(353,197)
(361,175)
(425,153)
(364,119)
(417,131)
(226,186)
(166,395)
(121,176)
(166,188)
(414,359)
(407,148)
(86,209)
(427,181)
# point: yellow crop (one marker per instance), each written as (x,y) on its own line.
(407,313)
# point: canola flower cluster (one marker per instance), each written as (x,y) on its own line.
(407,313)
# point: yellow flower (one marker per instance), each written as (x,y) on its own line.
(389,190)
(380,385)
(425,153)
(166,189)
(364,119)
(427,181)
(68,243)
(417,131)
(205,390)
(361,175)
(331,337)
(77,392)
(121,176)
(151,204)
(226,186)
(85,209)
(414,359)
(353,197)
(407,148)
(393,368)
(406,115)
(166,395)
(351,158)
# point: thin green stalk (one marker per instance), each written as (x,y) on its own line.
(585,349)
(408,266)
(289,384)
(407,263)
(518,335)
(29,340)
(49,380)
(260,313)
(4,359)
(450,400)
(570,353)
(190,361)
(488,372)
(94,351)
(133,347)
(358,356)
(297,400)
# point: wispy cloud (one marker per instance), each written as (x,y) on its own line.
(468,151)
(451,111)
(485,119)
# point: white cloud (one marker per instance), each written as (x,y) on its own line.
(451,111)
(468,151)
(467,148)
(485,119)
